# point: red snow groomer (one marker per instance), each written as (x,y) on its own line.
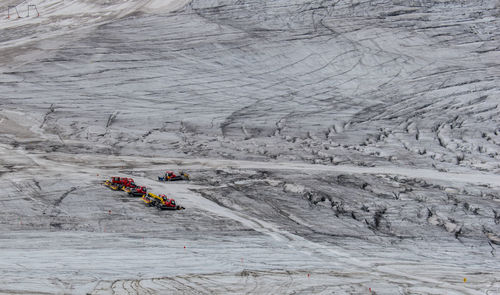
(161,202)
(137,191)
(113,183)
(171,176)
(116,183)
(128,183)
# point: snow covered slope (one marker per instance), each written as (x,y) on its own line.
(335,146)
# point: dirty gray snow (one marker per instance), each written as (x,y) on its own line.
(335,147)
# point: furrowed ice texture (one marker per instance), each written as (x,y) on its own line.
(333,146)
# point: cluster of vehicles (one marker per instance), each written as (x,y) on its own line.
(160,201)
